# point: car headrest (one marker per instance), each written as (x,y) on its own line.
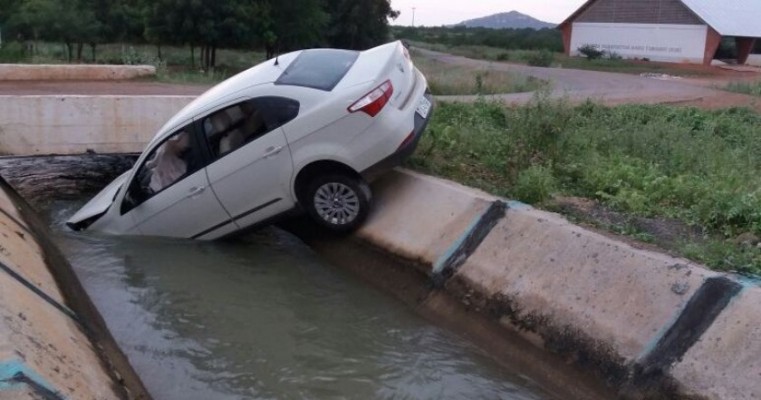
(220,121)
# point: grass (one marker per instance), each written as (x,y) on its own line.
(702,168)
(447,79)
(751,88)
(560,60)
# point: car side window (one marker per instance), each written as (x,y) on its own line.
(175,158)
(233,127)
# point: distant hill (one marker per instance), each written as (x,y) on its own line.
(512,19)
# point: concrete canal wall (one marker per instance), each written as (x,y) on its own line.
(34,125)
(53,344)
(58,72)
(650,325)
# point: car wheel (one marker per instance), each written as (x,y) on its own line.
(339,203)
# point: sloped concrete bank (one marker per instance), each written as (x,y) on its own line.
(651,326)
(53,343)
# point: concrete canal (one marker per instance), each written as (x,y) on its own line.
(264,317)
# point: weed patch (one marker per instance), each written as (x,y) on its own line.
(753,88)
(447,79)
(702,168)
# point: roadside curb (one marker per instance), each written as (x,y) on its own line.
(80,72)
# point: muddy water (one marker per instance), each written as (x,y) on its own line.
(263,317)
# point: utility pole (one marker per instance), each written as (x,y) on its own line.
(413,17)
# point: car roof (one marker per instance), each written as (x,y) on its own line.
(261,74)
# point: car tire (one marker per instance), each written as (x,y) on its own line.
(338,202)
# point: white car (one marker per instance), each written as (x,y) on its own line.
(304,131)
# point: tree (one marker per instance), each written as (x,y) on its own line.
(297,24)
(359,24)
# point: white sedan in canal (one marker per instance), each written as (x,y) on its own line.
(304,131)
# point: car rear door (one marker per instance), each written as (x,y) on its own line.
(170,194)
(252,166)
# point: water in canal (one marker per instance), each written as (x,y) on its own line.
(266,318)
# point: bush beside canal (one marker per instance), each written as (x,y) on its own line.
(700,169)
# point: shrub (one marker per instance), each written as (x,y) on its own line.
(541,58)
(12,52)
(535,185)
(591,52)
(503,56)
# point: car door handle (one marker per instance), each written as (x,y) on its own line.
(272,150)
(195,191)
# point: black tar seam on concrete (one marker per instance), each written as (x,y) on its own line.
(470,243)
(698,315)
(29,285)
(17,222)
(42,391)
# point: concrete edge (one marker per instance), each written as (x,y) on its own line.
(78,302)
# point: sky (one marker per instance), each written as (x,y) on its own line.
(445,12)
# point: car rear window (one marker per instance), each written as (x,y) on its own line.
(318,68)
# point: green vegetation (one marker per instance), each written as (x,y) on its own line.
(591,52)
(541,58)
(448,79)
(751,88)
(702,168)
(203,27)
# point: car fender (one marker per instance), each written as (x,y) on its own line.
(318,156)
(99,204)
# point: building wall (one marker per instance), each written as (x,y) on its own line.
(639,11)
(657,42)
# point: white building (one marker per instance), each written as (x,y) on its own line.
(664,30)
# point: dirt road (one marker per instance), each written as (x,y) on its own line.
(607,87)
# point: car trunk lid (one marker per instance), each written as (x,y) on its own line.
(388,62)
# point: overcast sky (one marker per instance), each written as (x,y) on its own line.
(438,12)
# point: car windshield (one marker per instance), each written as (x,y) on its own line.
(318,68)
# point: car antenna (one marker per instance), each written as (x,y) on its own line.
(277,56)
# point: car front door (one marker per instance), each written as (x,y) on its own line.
(170,193)
(252,170)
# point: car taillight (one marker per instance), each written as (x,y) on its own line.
(373,102)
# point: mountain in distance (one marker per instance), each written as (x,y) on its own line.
(512,19)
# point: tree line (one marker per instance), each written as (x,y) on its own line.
(203,25)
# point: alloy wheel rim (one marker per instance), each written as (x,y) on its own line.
(336,203)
